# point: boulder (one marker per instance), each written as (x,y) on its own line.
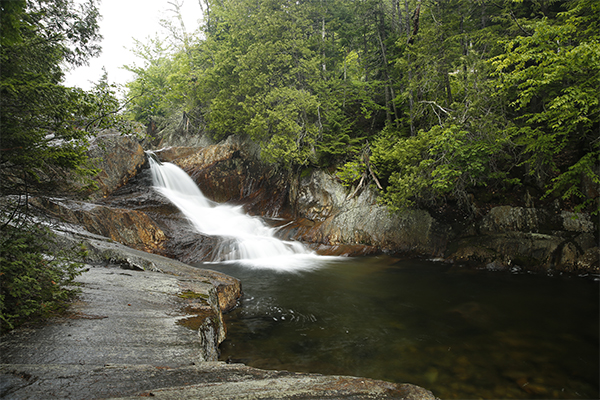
(531,239)
(514,219)
(118,157)
(520,219)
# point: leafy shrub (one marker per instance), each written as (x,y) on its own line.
(351,172)
(34,281)
(443,161)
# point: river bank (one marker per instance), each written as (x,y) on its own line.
(145,325)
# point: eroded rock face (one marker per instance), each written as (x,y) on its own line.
(231,172)
(531,238)
(129,227)
(334,219)
(119,158)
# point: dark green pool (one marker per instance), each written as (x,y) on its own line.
(461,334)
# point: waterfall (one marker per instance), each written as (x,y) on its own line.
(244,238)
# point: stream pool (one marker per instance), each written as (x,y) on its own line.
(460,333)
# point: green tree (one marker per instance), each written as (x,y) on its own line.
(166,86)
(551,79)
(45,128)
(43,122)
(35,279)
(150,92)
(451,136)
(401,94)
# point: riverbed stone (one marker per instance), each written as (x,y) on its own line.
(170,154)
(529,239)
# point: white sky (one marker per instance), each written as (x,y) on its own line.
(123,20)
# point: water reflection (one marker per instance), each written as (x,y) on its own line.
(462,335)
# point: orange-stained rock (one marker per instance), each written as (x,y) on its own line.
(171,154)
(129,227)
(231,172)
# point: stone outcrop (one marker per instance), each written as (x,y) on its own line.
(334,219)
(201,288)
(231,172)
(530,238)
(118,157)
(129,227)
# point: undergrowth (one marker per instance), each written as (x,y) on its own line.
(36,279)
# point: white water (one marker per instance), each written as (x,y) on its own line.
(246,239)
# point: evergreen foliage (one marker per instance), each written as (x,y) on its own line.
(552,79)
(35,279)
(44,132)
(434,100)
(43,123)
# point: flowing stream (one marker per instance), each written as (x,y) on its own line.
(244,238)
(462,334)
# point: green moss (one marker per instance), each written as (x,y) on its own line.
(189,294)
(306,172)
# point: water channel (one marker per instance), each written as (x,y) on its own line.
(461,334)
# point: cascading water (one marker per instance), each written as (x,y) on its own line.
(245,239)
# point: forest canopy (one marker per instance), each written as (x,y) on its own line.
(431,101)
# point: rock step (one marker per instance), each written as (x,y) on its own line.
(209,381)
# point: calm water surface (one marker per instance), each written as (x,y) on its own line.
(461,334)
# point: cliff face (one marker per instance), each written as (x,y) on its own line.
(317,210)
(231,172)
(129,227)
(329,217)
(530,238)
(323,216)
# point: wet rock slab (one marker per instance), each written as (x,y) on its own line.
(210,380)
(123,339)
(121,317)
(127,337)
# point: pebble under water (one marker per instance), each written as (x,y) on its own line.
(462,334)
